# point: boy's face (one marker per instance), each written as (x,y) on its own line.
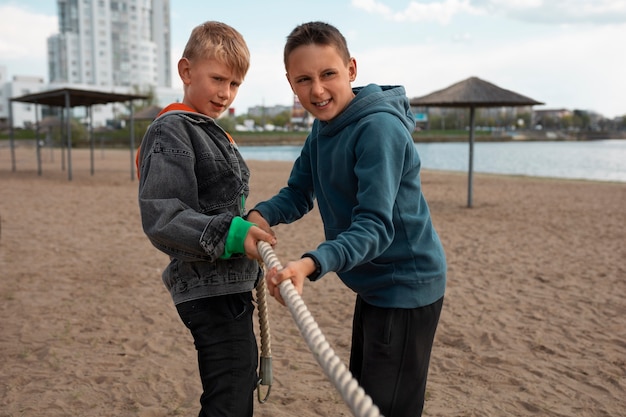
(321,79)
(210,85)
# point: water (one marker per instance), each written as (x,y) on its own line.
(601,160)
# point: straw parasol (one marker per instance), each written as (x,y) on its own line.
(148,113)
(49,122)
(473,92)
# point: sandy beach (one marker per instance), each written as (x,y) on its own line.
(534,319)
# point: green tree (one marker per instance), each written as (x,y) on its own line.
(581,119)
(282,119)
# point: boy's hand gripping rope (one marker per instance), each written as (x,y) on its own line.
(354,396)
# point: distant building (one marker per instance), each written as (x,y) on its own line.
(111,43)
(24,114)
(300,118)
(120,46)
(260,111)
(551,118)
(4,97)
(552,113)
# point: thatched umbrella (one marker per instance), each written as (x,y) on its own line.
(50,122)
(473,92)
(148,113)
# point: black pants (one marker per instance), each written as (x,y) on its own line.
(391,353)
(227,352)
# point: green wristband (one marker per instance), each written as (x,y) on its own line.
(236,236)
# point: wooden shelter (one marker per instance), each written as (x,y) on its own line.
(68,98)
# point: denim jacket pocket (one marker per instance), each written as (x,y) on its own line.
(220,183)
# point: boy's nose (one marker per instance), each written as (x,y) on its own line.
(224,92)
(317,88)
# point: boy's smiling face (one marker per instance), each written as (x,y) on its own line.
(210,85)
(321,79)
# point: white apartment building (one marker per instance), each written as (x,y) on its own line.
(120,46)
(23,114)
(112,43)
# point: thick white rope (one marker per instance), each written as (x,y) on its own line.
(265,365)
(354,396)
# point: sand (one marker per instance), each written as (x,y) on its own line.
(534,319)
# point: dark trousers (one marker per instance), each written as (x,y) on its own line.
(227,352)
(390,355)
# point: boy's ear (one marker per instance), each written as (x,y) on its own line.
(184,67)
(352,69)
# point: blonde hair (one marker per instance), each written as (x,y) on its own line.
(219,41)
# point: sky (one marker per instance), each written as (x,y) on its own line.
(565,53)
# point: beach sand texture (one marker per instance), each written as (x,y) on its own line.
(534,319)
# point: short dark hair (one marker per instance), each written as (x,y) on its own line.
(316,33)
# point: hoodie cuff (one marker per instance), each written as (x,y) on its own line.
(318,267)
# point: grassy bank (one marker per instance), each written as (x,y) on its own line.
(120,138)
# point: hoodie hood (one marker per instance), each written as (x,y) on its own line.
(370,99)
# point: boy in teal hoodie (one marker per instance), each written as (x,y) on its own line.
(360,163)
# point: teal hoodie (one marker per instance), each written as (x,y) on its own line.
(364,171)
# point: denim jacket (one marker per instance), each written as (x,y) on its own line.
(193,182)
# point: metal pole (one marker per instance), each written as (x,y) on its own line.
(471,158)
(91,139)
(69,136)
(12,136)
(37,144)
(62,127)
(132,142)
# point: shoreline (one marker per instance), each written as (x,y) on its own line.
(298,138)
(53,158)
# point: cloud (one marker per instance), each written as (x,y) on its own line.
(547,70)
(372,6)
(560,11)
(532,11)
(441,12)
(23,34)
(462,38)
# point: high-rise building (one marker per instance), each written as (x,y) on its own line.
(112,43)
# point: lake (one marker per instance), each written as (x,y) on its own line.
(599,160)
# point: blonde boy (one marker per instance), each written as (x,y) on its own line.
(192,191)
